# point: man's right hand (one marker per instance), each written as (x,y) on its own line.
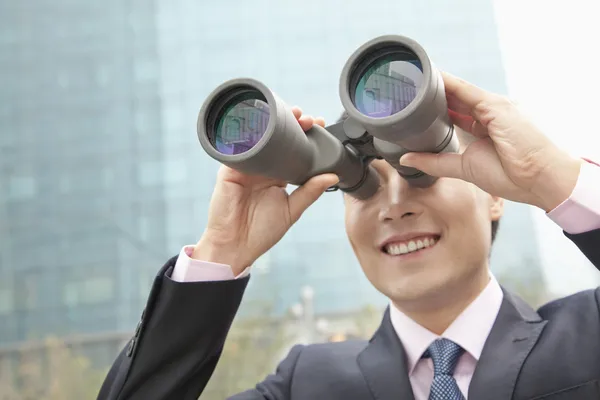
(249,214)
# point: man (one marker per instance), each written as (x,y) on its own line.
(451,331)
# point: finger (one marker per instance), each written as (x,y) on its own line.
(228,174)
(306,122)
(457,105)
(462,96)
(468,124)
(464,122)
(439,165)
(320,121)
(307,194)
(297,111)
(479,130)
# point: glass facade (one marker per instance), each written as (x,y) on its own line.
(82,211)
(101,171)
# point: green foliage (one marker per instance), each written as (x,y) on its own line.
(256,345)
(54,372)
(251,352)
(533,291)
(367,321)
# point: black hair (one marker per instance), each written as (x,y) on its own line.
(495,225)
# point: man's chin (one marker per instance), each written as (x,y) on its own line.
(414,291)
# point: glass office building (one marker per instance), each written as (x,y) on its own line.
(82,206)
(103,177)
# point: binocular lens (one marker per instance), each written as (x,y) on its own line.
(241,123)
(388,85)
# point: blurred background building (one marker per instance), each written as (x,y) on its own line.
(103,177)
(82,206)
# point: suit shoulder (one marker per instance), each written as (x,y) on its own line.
(585,299)
(336,360)
(347,348)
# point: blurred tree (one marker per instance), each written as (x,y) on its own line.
(253,348)
(367,320)
(54,372)
(526,282)
(256,345)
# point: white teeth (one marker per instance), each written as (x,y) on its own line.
(404,248)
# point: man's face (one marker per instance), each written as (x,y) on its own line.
(419,244)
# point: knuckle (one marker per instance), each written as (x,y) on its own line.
(503,102)
(507,102)
(484,106)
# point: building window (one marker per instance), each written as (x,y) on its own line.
(145,70)
(108,177)
(370,105)
(21,187)
(88,291)
(102,76)
(150,173)
(63,80)
(70,297)
(175,171)
(252,119)
(6,301)
(27,295)
(174,120)
(146,278)
(144,228)
(232,131)
(64,184)
(97,290)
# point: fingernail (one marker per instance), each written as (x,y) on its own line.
(403,161)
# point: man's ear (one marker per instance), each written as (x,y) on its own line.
(496,207)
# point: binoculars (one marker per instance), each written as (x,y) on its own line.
(395,102)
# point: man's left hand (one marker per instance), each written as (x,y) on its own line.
(511,158)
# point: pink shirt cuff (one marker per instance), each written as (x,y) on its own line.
(581,211)
(190,270)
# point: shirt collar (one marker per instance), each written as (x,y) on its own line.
(469,330)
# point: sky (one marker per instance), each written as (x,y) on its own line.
(552,57)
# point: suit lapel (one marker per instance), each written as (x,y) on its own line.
(383,364)
(515,332)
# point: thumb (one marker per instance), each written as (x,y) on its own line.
(435,164)
(305,195)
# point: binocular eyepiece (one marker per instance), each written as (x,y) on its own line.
(395,101)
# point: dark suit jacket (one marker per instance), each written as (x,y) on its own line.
(551,354)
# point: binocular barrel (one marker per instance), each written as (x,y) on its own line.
(395,101)
(245,126)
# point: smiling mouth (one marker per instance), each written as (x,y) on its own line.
(410,246)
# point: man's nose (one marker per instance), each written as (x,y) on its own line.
(398,200)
